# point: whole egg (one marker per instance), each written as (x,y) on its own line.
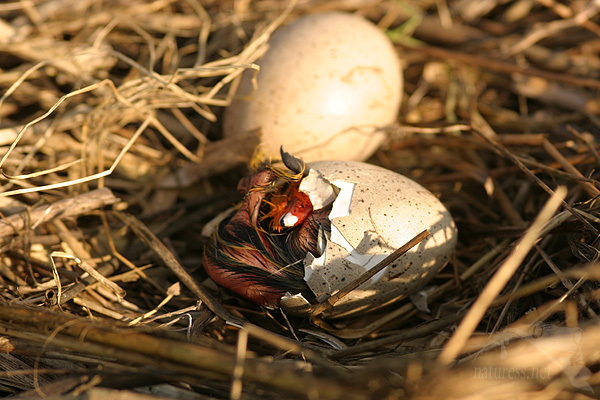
(328,86)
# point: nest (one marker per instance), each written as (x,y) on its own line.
(113,160)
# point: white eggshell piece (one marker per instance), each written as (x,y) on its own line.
(327,86)
(318,189)
(376,212)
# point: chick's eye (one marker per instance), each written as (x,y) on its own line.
(259,181)
(264,180)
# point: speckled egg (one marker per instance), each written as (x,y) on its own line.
(327,87)
(376,211)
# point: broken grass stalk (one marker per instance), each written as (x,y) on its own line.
(150,239)
(499,280)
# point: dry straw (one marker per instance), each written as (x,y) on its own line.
(113,160)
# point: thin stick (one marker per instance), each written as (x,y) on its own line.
(553,151)
(238,369)
(585,139)
(285,344)
(535,178)
(404,335)
(150,239)
(501,66)
(61,209)
(83,259)
(144,347)
(500,279)
(330,302)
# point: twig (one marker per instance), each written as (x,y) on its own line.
(554,153)
(330,302)
(554,27)
(84,259)
(66,208)
(564,11)
(150,239)
(405,335)
(502,66)
(500,278)
(238,369)
(585,139)
(68,294)
(146,348)
(533,177)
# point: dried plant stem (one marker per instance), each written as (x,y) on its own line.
(238,370)
(150,239)
(546,281)
(544,30)
(553,151)
(502,66)
(72,291)
(565,12)
(585,139)
(500,278)
(285,344)
(66,208)
(143,348)
(89,178)
(409,308)
(533,177)
(84,260)
(404,335)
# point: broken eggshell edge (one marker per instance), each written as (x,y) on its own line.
(376,212)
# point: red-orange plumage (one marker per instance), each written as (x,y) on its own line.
(291,201)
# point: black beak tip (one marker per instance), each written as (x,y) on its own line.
(293,163)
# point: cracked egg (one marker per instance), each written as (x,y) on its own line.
(375,212)
(297,237)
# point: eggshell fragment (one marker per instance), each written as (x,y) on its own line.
(327,86)
(376,212)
